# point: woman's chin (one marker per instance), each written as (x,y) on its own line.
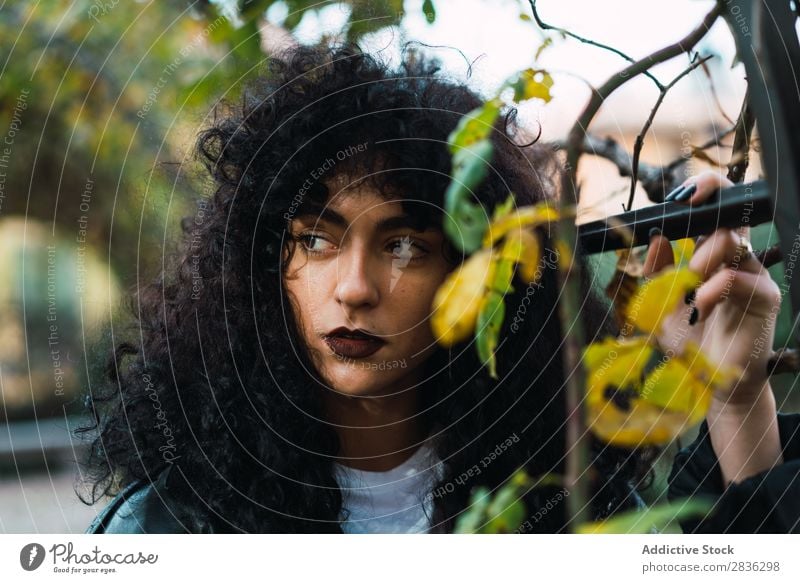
(358,382)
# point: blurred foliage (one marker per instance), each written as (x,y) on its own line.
(114,89)
(100,101)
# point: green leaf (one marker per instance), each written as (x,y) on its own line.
(654,517)
(507,520)
(503,274)
(507,510)
(465,222)
(504,208)
(490,319)
(430,11)
(470,521)
(470,163)
(474,126)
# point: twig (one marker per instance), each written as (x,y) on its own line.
(654,179)
(578,131)
(740,156)
(716,96)
(544,26)
(637,147)
(713,141)
(784,360)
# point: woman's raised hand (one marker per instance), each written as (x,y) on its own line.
(732,316)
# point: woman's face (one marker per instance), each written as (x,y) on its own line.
(361,265)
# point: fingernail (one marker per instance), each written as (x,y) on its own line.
(699,240)
(653,232)
(674,193)
(686,193)
(689,297)
(693,316)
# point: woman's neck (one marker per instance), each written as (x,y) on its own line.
(376,434)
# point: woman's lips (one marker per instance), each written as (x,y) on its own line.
(353,347)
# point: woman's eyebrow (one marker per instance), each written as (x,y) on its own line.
(404,221)
(324,214)
(389,223)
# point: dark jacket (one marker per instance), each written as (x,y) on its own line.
(766,502)
(150,507)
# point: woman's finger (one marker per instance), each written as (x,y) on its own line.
(697,189)
(659,254)
(727,247)
(758,294)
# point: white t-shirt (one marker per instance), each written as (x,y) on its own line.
(394,501)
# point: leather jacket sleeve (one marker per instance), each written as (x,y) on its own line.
(768,502)
(145,507)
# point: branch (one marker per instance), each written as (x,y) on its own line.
(740,156)
(637,147)
(654,179)
(784,360)
(713,141)
(578,131)
(544,26)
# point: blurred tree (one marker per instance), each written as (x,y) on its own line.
(99,104)
(111,89)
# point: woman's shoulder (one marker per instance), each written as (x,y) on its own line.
(147,506)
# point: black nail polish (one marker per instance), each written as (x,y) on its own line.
(653,232)
(686,193)
(689,297)
(671,196)
(693,316)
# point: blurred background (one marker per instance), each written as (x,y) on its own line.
(99,104)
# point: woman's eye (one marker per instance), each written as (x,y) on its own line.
(405,248)
(314,243)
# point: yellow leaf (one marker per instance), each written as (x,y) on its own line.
(649,519)
(719,377)
(643,424)
(682,250)
(523,247)
(475,126)
(458,300)
(527,216)
(630,405)
(614,363)
(621,409)
(533,83)
(564,255)
(659,297)
(672,386)
(529,263)
(547,42)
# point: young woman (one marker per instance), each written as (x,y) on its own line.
(284,376)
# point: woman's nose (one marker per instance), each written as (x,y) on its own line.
(356,279)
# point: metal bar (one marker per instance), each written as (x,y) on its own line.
(742,204)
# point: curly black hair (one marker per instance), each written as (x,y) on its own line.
(221,359)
